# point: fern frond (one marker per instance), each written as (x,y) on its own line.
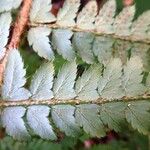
(42,81)
(121,95)
(90,122)
(63,46)
(5,21)
(82,43)
(38,39)
(109,93)
(103,49)
(64,83)
(68,12)
(132,83)
(40,11)
(12,120)
(37,119)
(102,25)
(86,18)
(63,117)
(137,114)
(14,78)
(7,5)
(86,45)
(122,23)
(141,26)
(112,114)
(111,76)
(105,19)
(104,22)
(86,87)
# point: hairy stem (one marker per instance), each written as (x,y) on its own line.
(18,28)
(70,101)
(76,29)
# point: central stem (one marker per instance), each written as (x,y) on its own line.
(29,102)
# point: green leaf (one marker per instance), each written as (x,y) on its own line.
(12,120)
(37,119)
(7,5)
(38,39)
(141,26)
(105,18)
(87,117)
(42,82)
(86,17)
(64,83)
(14,78)
(40,12)
(109,85)
(137,113)
(82,42)
(5,23)
(143,51)
(123,22)
(63,47)
(132,78)
(121,50)
(86,85)
(63,117)
(102,48)
(113,115)
(68,12)
(148,82)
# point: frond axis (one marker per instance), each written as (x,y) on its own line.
(77,29)
(53,102)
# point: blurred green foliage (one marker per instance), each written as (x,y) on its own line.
(141,6)
(127,141)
